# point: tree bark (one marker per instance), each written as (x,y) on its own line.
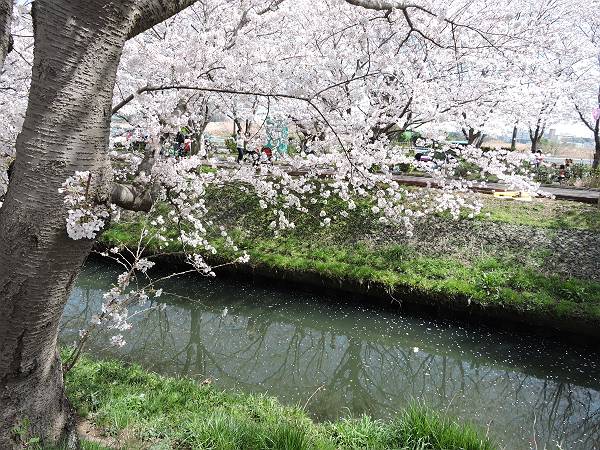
(6,9)
(77,50)
(534,146)
(513,142)
(536,136)
(76,55)
(480,140)
(594,127)
(596,130)
(473,137)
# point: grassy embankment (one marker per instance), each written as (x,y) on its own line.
(348,250)
(145,410)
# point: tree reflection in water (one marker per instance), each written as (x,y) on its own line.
(358,360)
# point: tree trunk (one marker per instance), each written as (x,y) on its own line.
(6,8)
(596,162)
(480,140)
(78,46)
(77,50)
(237,126)
(534,146)
(513,142)
(473,138)
(536,136)
(199,128)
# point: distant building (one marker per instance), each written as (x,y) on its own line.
(576,141)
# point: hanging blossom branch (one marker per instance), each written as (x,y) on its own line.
(117,301)
(141,198)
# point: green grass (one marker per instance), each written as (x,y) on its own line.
(87,445)
(145,410)
(398,268)
(83,445)
(542,213)
(36,444)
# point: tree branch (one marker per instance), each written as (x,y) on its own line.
(583,119)
(127,99)
(257,94)
(132,198)
(381,5)
(153,12)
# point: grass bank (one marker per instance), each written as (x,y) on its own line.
(359,251)
(542,213)
(146,410)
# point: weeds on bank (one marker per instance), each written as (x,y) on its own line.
(24,439)
(542,213)
(83,445)
(160,412)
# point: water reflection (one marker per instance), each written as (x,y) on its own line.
(527,391)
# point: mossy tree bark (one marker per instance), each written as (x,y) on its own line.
(77,50)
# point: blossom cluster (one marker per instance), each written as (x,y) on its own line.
(85,218)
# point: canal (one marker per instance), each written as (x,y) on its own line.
(340,359)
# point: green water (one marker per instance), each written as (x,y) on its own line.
(340,359)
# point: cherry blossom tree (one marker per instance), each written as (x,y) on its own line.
(584,92)
(76,55)
(153,61)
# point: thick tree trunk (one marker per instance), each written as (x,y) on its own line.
(237,126)
(78,46)
(199,128)
(534,146)
(480,140)
(596,162)
(6,8)
(77,50)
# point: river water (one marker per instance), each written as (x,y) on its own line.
(340,359)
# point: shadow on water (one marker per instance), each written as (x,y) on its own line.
(526,390)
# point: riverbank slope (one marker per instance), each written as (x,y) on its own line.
(139,409)
(537,264)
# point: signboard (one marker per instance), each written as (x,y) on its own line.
(278,134)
